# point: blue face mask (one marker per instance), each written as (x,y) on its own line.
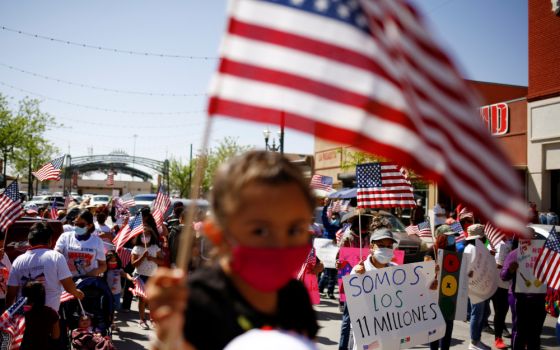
(80,231)
(335,222)
(450,240)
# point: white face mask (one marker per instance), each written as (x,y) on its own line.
(383,255)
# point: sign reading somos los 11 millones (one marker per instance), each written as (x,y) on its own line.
(393,308)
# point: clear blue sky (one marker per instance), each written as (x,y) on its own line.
(487,37)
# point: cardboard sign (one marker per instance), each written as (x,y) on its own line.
(483,283)
(326,251)
(393,308)
(453,284)
(527,254)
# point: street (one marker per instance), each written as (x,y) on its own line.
(131,337)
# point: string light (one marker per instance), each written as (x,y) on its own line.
(82,85)
(113,125)
(98,108)
(109,49)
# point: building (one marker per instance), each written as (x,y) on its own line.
(544,105)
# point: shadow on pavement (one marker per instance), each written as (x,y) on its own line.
(325,341)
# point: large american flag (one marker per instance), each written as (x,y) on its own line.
(547,267)
(369,74)
(132,229)
(321,182)
(383,185)
(12,325)
(160,206)
(139,290)
(110,178)
(51,170)
(10,206)
(494,235)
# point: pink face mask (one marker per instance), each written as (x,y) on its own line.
(268,269)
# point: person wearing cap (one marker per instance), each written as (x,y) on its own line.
(31,210)
(476,232)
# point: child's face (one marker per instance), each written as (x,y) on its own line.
(84,322)
(269,216)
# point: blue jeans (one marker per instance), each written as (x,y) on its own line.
(477,320)
(344,330)
(117,301)
(328,279)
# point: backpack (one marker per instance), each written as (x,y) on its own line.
(552,302)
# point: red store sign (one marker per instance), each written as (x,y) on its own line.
(496,118)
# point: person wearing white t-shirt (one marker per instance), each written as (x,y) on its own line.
(82,249)
(40,263)
(5,267)
(146,256)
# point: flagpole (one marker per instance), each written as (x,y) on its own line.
(360,229)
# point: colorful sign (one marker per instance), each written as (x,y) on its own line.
(527,254)
(483,283)
(393,307)
(453,284)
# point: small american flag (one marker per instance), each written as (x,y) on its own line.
(110,178)
(308,264)
(53,212)
(125,255)
(10,206)
(127,200)
(132,229)
(383,185)
(321,182)
(65,296)
(12,325)
(51,170)
(139,290)
(336,206)
(423,229)
(494,235)
(458,229)
(369,74)
(160,206)
(547,267)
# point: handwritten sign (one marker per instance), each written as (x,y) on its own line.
(527,255)
(453,284)
(483,283)
(393,308)
(326,251)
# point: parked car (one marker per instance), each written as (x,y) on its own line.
(142,201)
(202,206)
(98,200)
(46,201)
(16,237)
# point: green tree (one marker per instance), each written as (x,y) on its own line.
(180,177)
(11,131)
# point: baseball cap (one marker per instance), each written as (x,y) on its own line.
(382,233)
(31,208)
(444,230)
(475,231)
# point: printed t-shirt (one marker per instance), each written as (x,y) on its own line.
(82,256)
(213,300)
(114,280)
(5,267)
(43,265)
(146,268)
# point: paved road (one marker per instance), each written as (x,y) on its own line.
(131,337)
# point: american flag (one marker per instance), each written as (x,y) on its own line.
(132,229)
(494,235)
(138,289)
(547,267)
(321,182)
(51,170)
(423,229)
(127,200)
(369,74)
(65,296)
(10,206)
(383,185)
(69,198)
(12,325)
(125,255)
(110,178)
(53,212)
(160,206)
(308,264)
(458,229)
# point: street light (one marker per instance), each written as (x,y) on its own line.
(274,147)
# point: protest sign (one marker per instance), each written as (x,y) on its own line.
(393,308)
(326,251)
(527,255)
(453,284)
(483,283)
(349,257)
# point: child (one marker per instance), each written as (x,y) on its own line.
(41,322)
(113,276)
(146,256)
(261,209)
(5,267)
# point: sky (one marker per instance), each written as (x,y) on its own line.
(487,38)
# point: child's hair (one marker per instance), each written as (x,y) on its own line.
(149,232)
(149,220)
(253,167)
(34,291)
(101,217)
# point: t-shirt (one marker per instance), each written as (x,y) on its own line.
(217,312)
(146,268)
(503,250)
(82,256)
(43,265)
(114,280)
(38,326)
(5,267)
